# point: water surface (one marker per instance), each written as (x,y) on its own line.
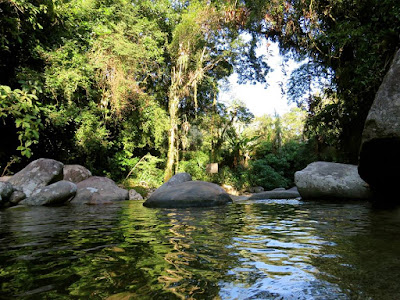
(283,249)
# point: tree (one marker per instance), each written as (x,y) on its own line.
(347,44)
(202,43)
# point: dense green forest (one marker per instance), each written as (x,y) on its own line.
(129,88)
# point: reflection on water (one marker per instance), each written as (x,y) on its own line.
(284,249)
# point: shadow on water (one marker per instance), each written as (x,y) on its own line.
(284,249)
(364,260)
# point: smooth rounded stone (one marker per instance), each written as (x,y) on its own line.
(327,180)
(37,174)
(279,194)
(99,190)
(176,179)
(6,190)
(255,189)
(380,146)
(53,194)
(189,194)
(76,173)
(133,195)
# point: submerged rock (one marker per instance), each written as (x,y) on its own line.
(327,180)
(76,173)
(275,194)
(37,174)
(54,194)
(380,145)
(188,194)
(99,190)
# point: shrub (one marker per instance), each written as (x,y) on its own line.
(195,163)
(262,174)
(146,172)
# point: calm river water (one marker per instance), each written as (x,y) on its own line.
(283,249)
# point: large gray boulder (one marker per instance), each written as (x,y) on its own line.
(380,146)
(326,180)
(54,194)
(76,173)
(188,194)
(275,194)
(99,190)
(37,174)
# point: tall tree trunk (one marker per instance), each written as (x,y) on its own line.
(177,156)
(173,121)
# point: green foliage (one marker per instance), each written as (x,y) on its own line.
(264,175)
(115,76)
(147,172)
(235,177)
(195,163)
(24,109)
(274,168)
(92,137)
(101,66)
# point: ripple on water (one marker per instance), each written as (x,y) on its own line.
(281,249)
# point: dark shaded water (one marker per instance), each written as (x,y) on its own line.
(285,249)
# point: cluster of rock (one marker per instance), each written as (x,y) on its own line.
(49,182)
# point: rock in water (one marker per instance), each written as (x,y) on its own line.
(37,174)
(177,178)
(275,194)
(133,195)
(188,194)
(16,197)
(53,194)
(6,190)
(326,180)
(380,146)
(255,189)
(76,173)
(99,190)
